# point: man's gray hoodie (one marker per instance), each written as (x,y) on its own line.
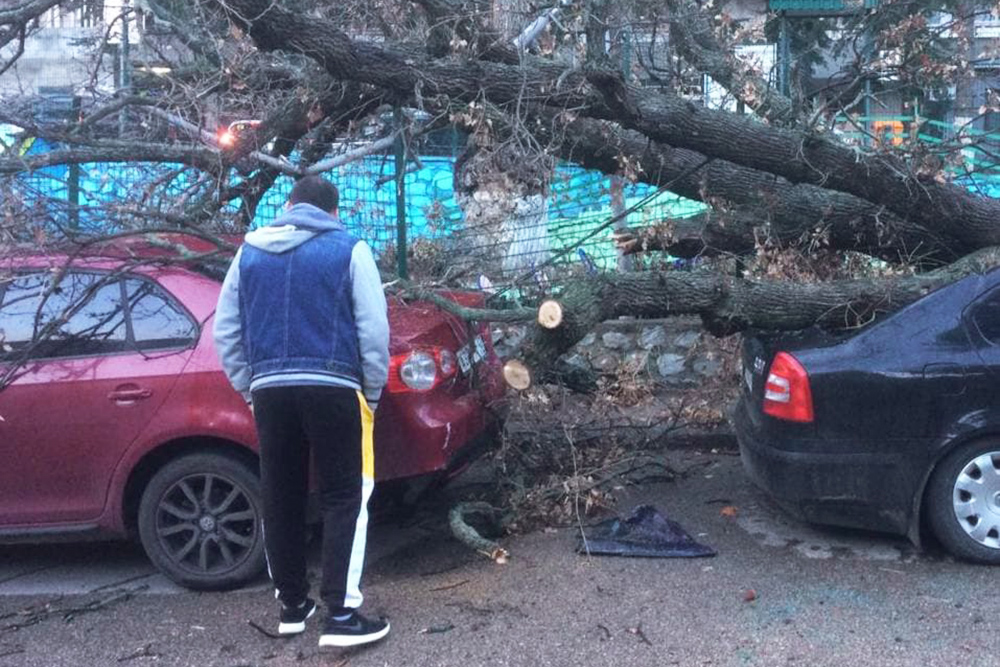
(297,225)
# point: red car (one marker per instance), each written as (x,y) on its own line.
(117,420)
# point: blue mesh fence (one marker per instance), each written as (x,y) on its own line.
(579,203)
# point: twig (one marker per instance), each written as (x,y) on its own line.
(70,614)
(576,496)
(145,652)
(264,631)
(637,631)
(116,584)
(26,573)
(35,617)
(449,586)
(436,629)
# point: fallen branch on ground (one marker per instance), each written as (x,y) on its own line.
(466,534)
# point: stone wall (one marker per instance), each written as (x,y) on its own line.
(661,383)
(674,351)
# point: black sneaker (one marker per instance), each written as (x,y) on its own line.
(353,631)
(293,619)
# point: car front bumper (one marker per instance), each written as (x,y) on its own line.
(871,491)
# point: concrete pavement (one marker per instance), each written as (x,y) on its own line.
(778,593)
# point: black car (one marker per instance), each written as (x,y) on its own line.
(891,428)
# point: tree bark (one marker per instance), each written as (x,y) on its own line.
(728,304)
(196,156)
(763,201)
(708,234)
(803,157)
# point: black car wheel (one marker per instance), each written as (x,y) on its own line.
(199,522)
(963,502)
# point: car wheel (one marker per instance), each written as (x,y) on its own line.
(963,500)
(200,522)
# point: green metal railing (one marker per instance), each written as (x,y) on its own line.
(902,130)
(820,7)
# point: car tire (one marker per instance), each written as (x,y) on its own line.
(200,522)
(963,502)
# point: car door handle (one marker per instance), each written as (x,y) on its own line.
(130,394)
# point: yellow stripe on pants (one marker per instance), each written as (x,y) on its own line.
(367,439)
(354,597)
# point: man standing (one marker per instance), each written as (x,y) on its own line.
(301,327)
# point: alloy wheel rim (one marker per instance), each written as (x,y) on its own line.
(206,523)
(976,499)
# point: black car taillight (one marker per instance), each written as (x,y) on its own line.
(786,392)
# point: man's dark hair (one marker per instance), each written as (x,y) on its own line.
(317,191)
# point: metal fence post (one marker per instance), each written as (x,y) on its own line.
(400,196)
(73,196)
(784,55)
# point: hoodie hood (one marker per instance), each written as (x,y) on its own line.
(292,228)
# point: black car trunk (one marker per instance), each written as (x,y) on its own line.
(758,353)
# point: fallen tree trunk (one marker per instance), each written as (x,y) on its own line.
(804,157)
(728,304)
(704,235)
(763,202)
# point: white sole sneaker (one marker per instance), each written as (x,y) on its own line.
(295,628)
(344,641)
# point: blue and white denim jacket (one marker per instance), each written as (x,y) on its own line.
(302,304)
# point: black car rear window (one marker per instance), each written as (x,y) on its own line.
(986,316)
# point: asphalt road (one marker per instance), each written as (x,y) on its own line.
(778,593)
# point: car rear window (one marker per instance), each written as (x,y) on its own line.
(157,322)
(80,315)
(986,316)
(88,313)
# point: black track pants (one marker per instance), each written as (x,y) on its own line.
(336,425)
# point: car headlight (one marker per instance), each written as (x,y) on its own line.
(418,372)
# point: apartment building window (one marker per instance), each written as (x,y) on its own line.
(93,12)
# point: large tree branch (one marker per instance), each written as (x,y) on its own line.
(19,15)
(800,157)
(706,234)
(787,210)
(274,28)
(196,156)
(803,157)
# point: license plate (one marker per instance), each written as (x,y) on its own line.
(471,354)
(464,364)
